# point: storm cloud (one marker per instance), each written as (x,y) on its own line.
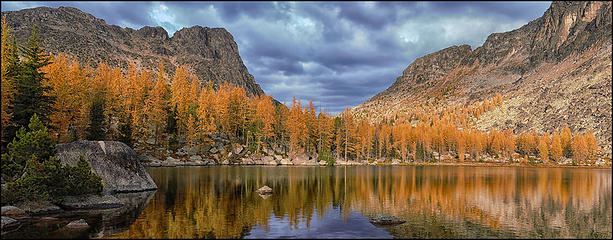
(338,54)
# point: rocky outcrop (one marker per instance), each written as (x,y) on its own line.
(115,162)
(211,53)
(551,72)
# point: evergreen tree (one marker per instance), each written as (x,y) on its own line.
(10,68)
(125,131)
(33,174)
(95,130)
(35,143)
(30,93)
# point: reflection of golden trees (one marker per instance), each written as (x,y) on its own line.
(221,201)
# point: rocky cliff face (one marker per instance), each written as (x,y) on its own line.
(553,71)
(211,53)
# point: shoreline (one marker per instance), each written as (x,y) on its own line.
(458,164)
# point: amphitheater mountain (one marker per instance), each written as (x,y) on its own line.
(551,72)
(210,53)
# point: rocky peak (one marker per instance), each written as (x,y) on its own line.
(435,65)
(210,53)
(157,33)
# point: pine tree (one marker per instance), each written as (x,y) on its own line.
(10,69)
(95,130)
(156,104)
(543,147)
(180,97)
(206,112)
(31,95)
(69,90)
(566,141)
(579,148)
(556,147)
(592,144)
(296,126)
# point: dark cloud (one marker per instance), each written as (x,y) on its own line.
(337,53)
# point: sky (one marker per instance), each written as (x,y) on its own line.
(339,54)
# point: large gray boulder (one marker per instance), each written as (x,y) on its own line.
(115,162)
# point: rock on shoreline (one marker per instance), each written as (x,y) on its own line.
(115,162)
(90,202)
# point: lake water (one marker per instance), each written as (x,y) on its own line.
(335,202)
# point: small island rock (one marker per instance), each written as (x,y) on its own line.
(264,190)
(384,219)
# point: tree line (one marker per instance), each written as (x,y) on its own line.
(137,106)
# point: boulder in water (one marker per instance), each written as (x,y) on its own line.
(81,223)
(264,190)
(384,219)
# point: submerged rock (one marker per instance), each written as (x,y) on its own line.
(115,162)
(264,190)
(37,208)
(12,210)
(384,219)
(81,223)
(6,221)
(91,202)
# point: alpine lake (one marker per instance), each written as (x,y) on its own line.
(337,202)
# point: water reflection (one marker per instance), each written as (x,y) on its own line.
(437,202)
(102,223)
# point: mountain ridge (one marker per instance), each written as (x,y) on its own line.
(553,71)
(210,53)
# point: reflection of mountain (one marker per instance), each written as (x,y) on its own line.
(456,202)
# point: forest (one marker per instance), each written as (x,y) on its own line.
(77,101)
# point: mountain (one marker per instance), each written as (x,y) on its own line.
(551,72)
(211,53)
